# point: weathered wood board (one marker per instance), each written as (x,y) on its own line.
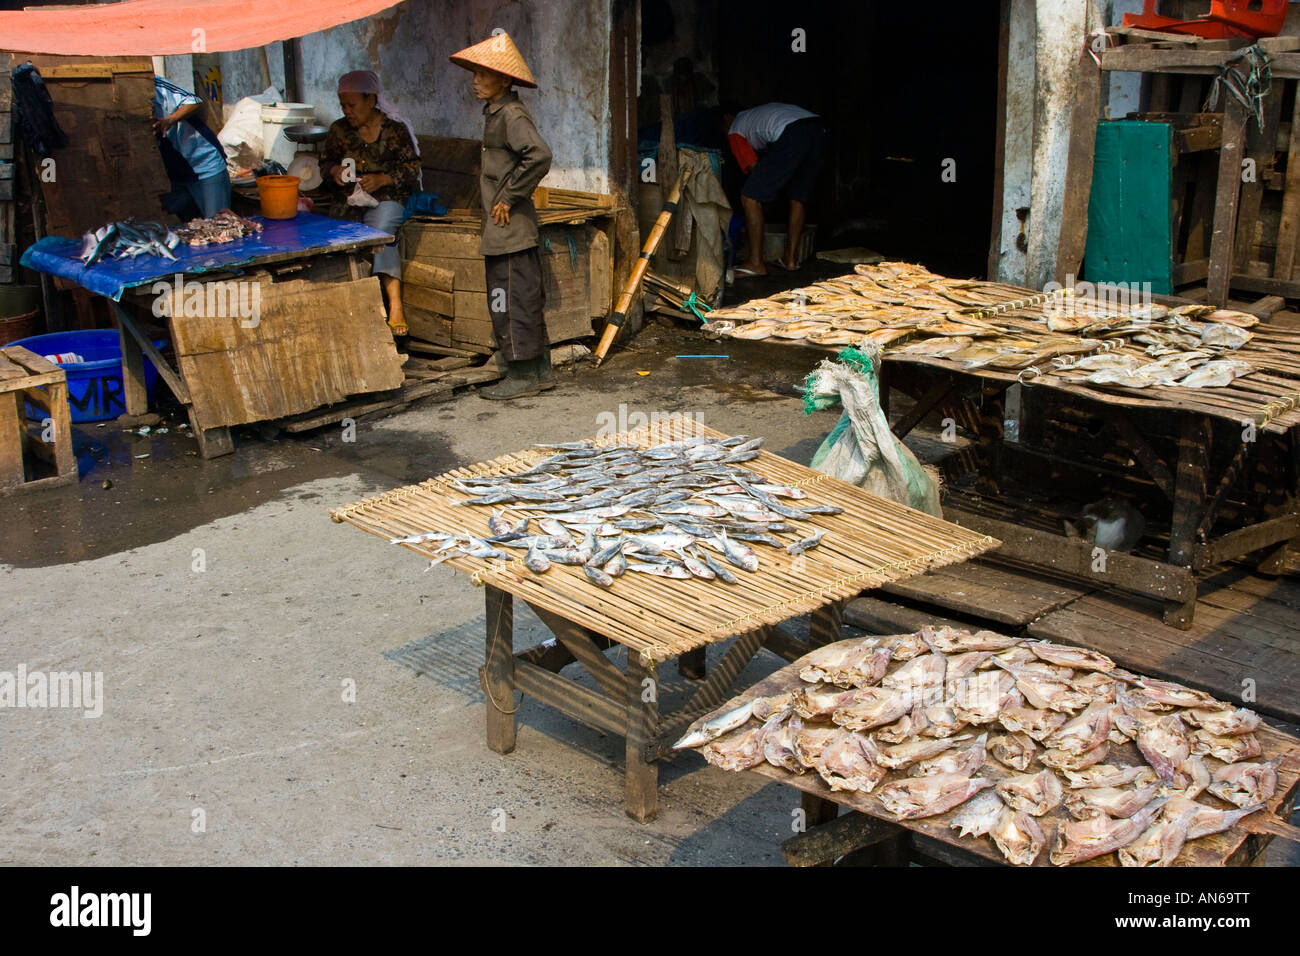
(991,592)
(313,344)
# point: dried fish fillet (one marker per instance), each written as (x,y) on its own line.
(979,815)
(872,707)
(1165,745)
(1067,656)
(1205,820)
(1014,750)
(848,763)
(963,762)
(1227,749)
(1109,801)
(918,797)
(1037,723)
(1107,775)
(1018,836)
(1223,723)
(1063,760)
(1033,793)
(901,755)
(1161,843)
(1081,840)
(1246,784)
(1084,732)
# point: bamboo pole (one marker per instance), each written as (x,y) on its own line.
(647,251)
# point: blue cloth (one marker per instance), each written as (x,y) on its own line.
(57,256)
(190,137)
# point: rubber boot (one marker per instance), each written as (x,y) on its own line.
(520,382)
(545,374)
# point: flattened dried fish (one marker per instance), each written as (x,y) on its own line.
(1018,836)
(848,763)
(872,707)
(1223,723)
(778,746)
(1227,749)
(1205,820)
(1066,656)
(1037,723)
(979,815)
(1063,760)
(1109,801)
(951,640)
(1084,732)
(1246,784)
(811,742)
(901,755)
(740,749)
(918,797)
(980,699)
(1034,793)
(1014,750)
(1108,775)
(819,702)
(1161,843)
(1165,745)
(1176,695)
(1081,840)
(963,762)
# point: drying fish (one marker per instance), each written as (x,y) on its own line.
(717,726)
(1109,801)
(942,719)
(1044,692)
(661,570)
(1063,760)
(1164,743)
(1223,723)
(964,762)
(765,707)
(811,742)
(1161,843)
(778,746)
(1175,695)
(1084,732)
(960,666)
(918,797)
(1081,840)
(1222,335)
(1067,656)
(905,728)
(950,640)
(982,698)
(1034,793)
(741,749)
(818,703)
(1227,749)
(1014,750)
(1205,821)
(1097,686)
(902,755)
(1107,775)
(1246,784)
(804,544)
(1216,374)
(848,664)
(1037,723)
(923,675)
(848,763)
(1019,837)
(979,815)
(871,707)
(225,226)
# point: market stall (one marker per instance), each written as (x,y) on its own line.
(854,541)
(1162,383)
(265,326)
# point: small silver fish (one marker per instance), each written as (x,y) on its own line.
(597,576)
(805,544)
(715,727)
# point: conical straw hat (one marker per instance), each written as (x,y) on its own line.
(497,52)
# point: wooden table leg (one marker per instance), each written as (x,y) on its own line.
(499,669)
(135,396)
(213,442)
(691,664)
(817,810)
(826,624)
(641,796)
(1189,505)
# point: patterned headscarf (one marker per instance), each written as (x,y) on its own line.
(367,81)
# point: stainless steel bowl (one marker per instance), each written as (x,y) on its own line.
(305,133)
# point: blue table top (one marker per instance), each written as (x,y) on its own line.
(305,233)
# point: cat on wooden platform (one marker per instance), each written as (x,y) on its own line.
(1112,523)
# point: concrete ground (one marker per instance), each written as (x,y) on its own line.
(281,689)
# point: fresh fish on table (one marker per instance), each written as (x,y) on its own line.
(916,797)
(1080,840)
(1034,793)
(979,815)
(1246,784)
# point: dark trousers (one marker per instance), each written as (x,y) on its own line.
(516,299)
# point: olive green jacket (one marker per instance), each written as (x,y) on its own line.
(515,158)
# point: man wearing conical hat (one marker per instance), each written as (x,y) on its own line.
(515,158)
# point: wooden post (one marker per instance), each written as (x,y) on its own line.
(135,396)
(1088,79)
(641,794)
(691,665)
(499,669)
(1189,504)
(1290,222)
(1226,194)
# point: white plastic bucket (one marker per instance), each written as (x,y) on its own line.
(274,119)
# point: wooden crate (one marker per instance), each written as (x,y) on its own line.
(27,377)
(576,274)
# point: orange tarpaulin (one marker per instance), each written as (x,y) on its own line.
(160,27)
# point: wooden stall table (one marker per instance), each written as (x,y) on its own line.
(1261,411)
(931,840)
(263,327)
(873,541)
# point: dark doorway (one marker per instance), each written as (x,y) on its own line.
(906,92)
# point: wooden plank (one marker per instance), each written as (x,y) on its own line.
(989,592)
(499,669)
(12,432)
(428,327)
(1289,288)
(1075,558)
(1078,171)
(1239,543)
(1152,463)
(641,792)
(429,276)
(356,409)
(881,617)
(428,300)
(1226,195)
(826,625)
(1189,506)
(588,707)
(160,364)
(580,645)
(430,348)
(939,391)
(1261,141)
(314,344)
(468,275)
(1143,58)
(1289,224)
(826,842)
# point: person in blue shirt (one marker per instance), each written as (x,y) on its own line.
(191,152)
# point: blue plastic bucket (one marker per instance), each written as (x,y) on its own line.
(95,391)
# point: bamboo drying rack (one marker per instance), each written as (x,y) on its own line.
(874,542)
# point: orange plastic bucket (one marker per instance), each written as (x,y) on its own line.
(279,196)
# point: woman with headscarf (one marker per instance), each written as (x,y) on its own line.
(371,163)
